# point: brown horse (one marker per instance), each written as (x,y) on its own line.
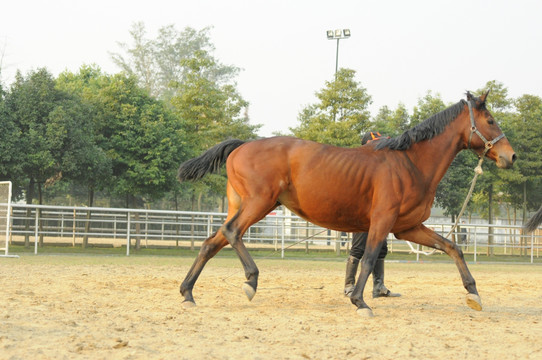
(385,187)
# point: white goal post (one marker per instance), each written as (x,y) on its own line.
(5,218)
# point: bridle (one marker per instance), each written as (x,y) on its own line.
(474,130)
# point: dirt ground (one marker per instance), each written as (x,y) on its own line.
(89,307)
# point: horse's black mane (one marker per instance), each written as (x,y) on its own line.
(425,130)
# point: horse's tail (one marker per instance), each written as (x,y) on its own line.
(208,162)
(533,222)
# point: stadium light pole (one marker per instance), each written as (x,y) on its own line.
(337,35)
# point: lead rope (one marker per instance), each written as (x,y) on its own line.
(477,171)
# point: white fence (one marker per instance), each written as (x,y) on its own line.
(37,225)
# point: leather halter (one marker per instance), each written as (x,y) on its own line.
(474,130)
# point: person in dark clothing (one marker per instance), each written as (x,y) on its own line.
(359,241)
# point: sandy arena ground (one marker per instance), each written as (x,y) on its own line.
(89,307)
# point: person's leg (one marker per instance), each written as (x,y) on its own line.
(356,252)
(379,289)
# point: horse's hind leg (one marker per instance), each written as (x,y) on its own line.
(234,236)
(209,248)
(248,209)
(427,237)
(250,213)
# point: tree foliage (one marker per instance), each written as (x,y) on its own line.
(86,162)
(392,123)
(159,62)
(428,105)
(37,111)
(141,137)
(211,112)
(341,115)
(10,155)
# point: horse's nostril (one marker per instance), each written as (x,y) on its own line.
(514,158)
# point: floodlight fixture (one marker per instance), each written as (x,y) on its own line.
(338,34)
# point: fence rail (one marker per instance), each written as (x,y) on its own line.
(42,224)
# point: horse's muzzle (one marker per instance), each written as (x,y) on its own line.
(506,161)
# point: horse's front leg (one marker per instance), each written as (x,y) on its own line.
(367,264)
(427,237)
(374,243)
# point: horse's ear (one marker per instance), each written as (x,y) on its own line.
(469,96)
(484,97)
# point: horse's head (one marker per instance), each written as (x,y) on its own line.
(485,137)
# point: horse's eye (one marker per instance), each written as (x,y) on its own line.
(490,121)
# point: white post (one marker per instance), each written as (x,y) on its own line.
(128,235)
(9,209)
(61,224)
(532,247)
(146,229)
(36,233)
(283,231)
(73,228)
(475,244)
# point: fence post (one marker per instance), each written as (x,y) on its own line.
(146,229)
(73,228)
(128,235)
(62,224)
(209,226)
(115,226)
(282,236)
(36,232)
(532,247)
(177,229)
(307,237)
(11,226)
(475,244)
(192,229)
(276,233)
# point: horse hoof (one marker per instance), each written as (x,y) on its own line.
(187,304)
(249,291)
(474,302)
(365,312)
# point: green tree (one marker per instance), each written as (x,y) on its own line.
(30,103)
(159,62)
(85,162)
(51,127)
(10,156)
(140,136)
(391,123)
(428,105)
(210,112)
(341,115)
(525,131)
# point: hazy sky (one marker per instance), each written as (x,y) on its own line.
(399,49)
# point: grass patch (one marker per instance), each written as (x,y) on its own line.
(228,252)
